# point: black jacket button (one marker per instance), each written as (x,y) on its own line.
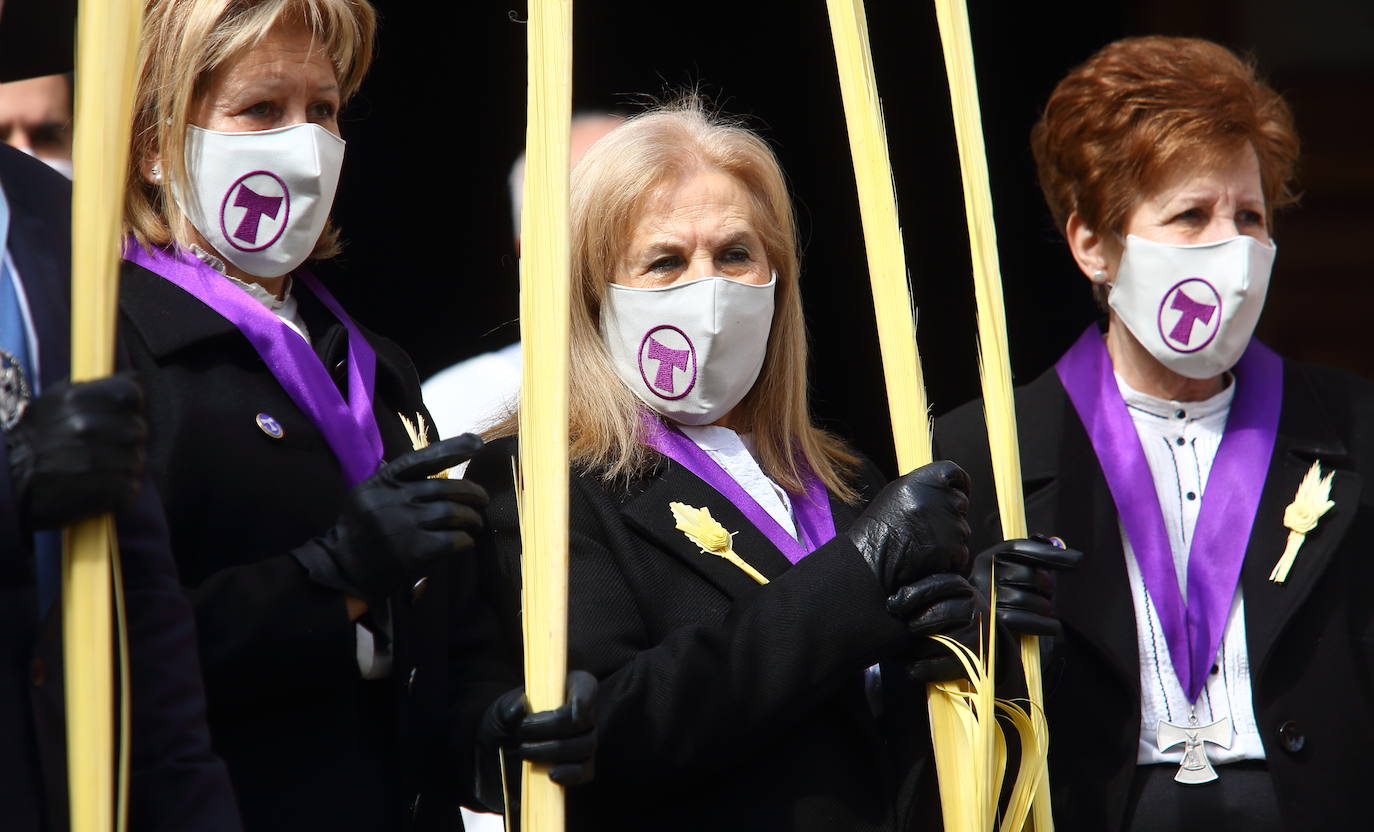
(1291,737)
(415,808)
(410,680)
(418,590)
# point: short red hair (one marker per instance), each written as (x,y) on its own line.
(1119,124)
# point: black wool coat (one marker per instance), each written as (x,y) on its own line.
(309,743)
(723,704)
(1310,640)
(176,782)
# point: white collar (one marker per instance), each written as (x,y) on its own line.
(1169,408)
(717,438)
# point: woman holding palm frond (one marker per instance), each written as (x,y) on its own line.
(737,574)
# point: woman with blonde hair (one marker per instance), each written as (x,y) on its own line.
(1204,678)
(734,569)
(347,658)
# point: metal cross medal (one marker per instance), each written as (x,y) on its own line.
(1195,768)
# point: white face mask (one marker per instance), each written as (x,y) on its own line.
(262,199)
(1193,307)
(689,351)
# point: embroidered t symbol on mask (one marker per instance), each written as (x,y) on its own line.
(1193,312)
(668,360)
(256,206)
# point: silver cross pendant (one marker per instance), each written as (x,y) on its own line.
(1196,768)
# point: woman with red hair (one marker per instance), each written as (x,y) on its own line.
(1195,685)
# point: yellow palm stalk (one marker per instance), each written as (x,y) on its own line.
(106,48)
(970,754)
(542,486)
(964,729)
(993,355)
(906,388)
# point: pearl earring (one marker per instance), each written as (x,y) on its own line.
(1099,276)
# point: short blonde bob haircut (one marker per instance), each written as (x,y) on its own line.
(183,42)
(611,185)
(1143,108)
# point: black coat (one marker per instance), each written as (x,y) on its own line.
(724,704)
(309,743)
(1310,640)
(176,782)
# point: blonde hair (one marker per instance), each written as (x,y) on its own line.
(610,187)
(183,42)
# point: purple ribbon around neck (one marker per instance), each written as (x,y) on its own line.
(812,509)
(1192,627)
(350,427)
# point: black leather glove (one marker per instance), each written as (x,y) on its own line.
(398,522)
(941,604)
(916,526)
(1025,582)
(78,451)
(564,737)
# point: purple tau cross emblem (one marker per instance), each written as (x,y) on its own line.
(270,426)
(1195,768)
(1193,312)
(256,207)
(668,359)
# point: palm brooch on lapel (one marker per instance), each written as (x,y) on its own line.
(1312,501)
(704,531)
(419,438)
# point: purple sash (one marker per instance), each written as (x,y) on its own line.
(349,427)
(812,510)
(1192,628)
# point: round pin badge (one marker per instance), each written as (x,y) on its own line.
(270,426)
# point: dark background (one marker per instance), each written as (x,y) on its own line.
(431,259)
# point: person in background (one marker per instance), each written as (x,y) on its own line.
(475,393)
(36,117)
(1195,686)
(348,658)
(71,451)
